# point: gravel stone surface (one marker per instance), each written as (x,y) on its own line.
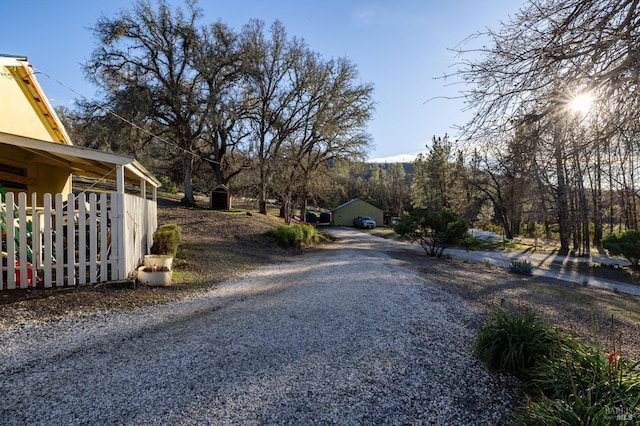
(342,335)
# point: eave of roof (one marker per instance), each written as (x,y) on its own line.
(22,73)
(345,204)
(82,161)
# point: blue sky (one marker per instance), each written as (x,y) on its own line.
(398,45)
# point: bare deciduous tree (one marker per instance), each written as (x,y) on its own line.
(148,53)
(530,70)
(302,110)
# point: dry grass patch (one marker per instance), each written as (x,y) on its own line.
(599,317)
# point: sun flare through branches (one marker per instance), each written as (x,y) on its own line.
(581,103)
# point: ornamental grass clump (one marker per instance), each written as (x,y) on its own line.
(515,342)
(294,236)
(566,381)
(521,267)
(581,385)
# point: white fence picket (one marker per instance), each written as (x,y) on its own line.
(104,245)
(47,250)
(70,233)
(69,245)
(36,241)
(93,238)
(140,216)
(59,240)
(11,241)
(82,239)
(22,241)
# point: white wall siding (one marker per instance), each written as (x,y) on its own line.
(140,222)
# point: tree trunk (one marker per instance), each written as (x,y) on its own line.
(611,193)
(286,209)
(563,205)
(574,218)
(632,193)
(187,164)
(506,224)
(262,202)
(303,208)
(584,208)
(597,203)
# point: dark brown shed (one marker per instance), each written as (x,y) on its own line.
(220,198)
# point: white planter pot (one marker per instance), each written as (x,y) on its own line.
(160,278)
(158,261)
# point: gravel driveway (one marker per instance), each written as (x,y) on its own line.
(342,335)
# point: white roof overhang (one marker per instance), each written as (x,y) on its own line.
(82,161)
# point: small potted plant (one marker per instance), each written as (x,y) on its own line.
(158,266)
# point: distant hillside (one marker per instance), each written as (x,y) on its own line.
(408,170)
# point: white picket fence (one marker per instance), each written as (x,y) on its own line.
(75,239)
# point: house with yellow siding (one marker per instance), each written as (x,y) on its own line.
(39,209)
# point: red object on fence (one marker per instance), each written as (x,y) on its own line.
(29,274)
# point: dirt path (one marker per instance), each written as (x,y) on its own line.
(344,334)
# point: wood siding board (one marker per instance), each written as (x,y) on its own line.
(11,177)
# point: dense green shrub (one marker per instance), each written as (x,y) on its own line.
(471,243)
(167,185)
(433,230)
(515,342)
(522,267)
(166,240)
(294,236)
(626,244)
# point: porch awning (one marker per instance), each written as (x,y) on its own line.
(82,161)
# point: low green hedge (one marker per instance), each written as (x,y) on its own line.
(294,236)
